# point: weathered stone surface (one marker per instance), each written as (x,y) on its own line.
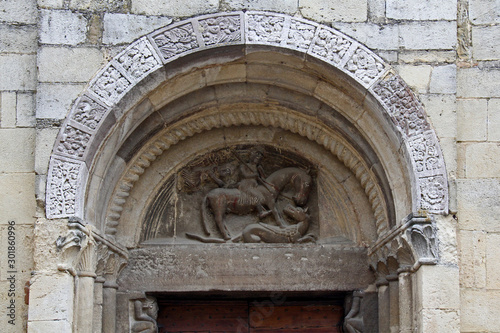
(485,41)
(376,10)
(479,310)
(52,59)
(18,39)
(99,5)
(8,106)
(439,285)
(22,11)
(124,28)
(428,35)
(55,100)
(49,326)
(484,11)
(374,36)
(62,27)
(344,11)
(409,56)
(442,113)
(17,201)
(472,258)
(479,204)
(421,10)
(25,110)
(417,77)
(482,160)
(478,82)
(246,268)
(45,139)
(174,7)
(494,119)
(438,320)
(17,150)
(492,262)
(282,6)
(51,3)
(443,80)
(18,72)
(472,121)
(56,305)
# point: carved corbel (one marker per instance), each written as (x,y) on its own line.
(72,246)
(353,321)
(421,235)
(143,316)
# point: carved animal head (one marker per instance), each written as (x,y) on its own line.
(302,183)
(299,214)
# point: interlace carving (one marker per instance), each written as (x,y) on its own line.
(433,193)
(138,60)
(300,35)
(365,66)
(111,85)
(88,112)
(330,46)
(73,142)
(425,153)
(62,188)
(264,28)
(221,30)
(404,108)
(176,40)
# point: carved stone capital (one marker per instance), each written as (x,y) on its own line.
(72,245)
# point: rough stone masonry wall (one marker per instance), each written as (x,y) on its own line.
(69,40)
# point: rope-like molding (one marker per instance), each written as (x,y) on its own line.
(298,124)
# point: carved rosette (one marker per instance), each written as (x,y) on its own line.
(160,47)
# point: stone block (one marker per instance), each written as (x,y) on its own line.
(472,258)
(282,6)
(54,101)
(51,3)
(338,10)
(376,10)
(478,82)
(444,79)
(26,110)
(494,119)
(17,201)
(440,35)
(62,27)
(449,148)
(8,101)
(49,326)
(19,11)
(50,299)
(174,7)
(18,38)
(480,310)
(52,59)
(416,76)
(45,140)
(421,10)
(407,56)
(482,160)
(17,150)
(479,204)
(439,286)
(374,36)
(18,72)
(438,320)
(492,262)
(124,28)
(485,41)
(472,119)
(442,113)
(99,5)
(484,11)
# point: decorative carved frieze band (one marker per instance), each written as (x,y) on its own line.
(67,180)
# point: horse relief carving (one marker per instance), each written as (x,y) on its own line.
(247,194)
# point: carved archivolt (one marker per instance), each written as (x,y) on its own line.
(73,152)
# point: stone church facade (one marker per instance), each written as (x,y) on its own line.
(159,157)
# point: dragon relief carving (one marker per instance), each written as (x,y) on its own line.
(244,197)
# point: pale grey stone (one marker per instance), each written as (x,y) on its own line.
(17,201)
(428,35)
(477,82)
(18,11)
(45,139)
(472,119)
(79,64)
(17,150)
(18,38)
(494,119)
(55,100)
(282,6)
(416,76)
(486,42)
(484,11)
(51,3)
(25,110)
(124,28)
(482,161)
(444,79)
(7,109)
(374,36)
(376,10)
(18,72)
(418,56)
(442,112)
(174,7)
(337,10)
(62,27)
(422,9)
(99,5)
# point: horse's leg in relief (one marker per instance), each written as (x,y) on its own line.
(219,206)
(276,213)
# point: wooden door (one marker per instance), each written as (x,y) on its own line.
(249,317)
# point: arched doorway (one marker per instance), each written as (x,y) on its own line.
(158,127)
